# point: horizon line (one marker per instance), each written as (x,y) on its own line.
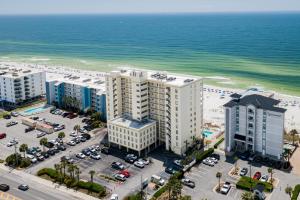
(158,13)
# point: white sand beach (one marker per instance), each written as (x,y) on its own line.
(214,97)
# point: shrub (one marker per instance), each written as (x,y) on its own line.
(48,171)
(218,143)
(93,187)
(25,162)
(159,192)
(245,184)
(296,191)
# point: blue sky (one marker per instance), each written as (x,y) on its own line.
(143,6)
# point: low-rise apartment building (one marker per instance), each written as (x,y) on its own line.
(173,102)
(81,93)
(20,85)
(255,123)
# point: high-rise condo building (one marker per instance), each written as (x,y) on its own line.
(255,123)
(146,109)
(20,85)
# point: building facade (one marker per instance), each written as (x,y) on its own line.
(20,85)
(173,102)
(253,122)
(81,93)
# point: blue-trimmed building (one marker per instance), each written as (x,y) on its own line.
(86,93)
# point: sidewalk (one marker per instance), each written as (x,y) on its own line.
(48,184)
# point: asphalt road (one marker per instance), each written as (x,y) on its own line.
(35,192)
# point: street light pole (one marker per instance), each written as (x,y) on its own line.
(250,176)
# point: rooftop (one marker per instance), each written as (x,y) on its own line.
(257,100)
(10,71)
(130,123)
(164,77)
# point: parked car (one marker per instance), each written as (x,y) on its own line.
(216,156)
(252,157)
(41,134)
(4,187)
(144,160)
(82,139)
(28,129)
(12,143)
(86,152)
(120,177)
(139,164)
(117,165)
(40,158)
(125,173)
(188,182)
(71,143)
(51,152)
(208,162)
(14,114)
(245,155)
(257,175)
(114,197)
(86,135)
(12,123)
(225,188)
(212,159)
(95,156)
(130,158)
(80,155)
(23,187)
(178,163)
(32,158)
(264,178)
(157,180)
(2,135)
(45,154)
(61,147)
(7,116)
(170,170)
(82,130)
(244,172)
(73,134)
(105,150)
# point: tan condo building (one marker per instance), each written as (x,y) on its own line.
(146,109)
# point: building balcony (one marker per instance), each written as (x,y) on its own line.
(17,84)
(17,80)
(18,88)
(17,96)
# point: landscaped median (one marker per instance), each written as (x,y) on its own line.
(296,192)
(88,187)
(218,143)
(247,183)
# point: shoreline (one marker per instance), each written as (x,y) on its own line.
(213,102)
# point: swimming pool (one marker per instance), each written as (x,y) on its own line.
(207,133)
(32,111)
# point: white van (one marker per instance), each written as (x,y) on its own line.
(32,158)
(157,180)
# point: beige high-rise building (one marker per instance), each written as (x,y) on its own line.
(170,106)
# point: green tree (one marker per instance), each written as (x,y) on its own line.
(289,191)
(219,176)
(61,135)
(23,148)
(71,169)
(247,196)
(76,128)
(92,173)
(64,165)
(271,172)
(43,142)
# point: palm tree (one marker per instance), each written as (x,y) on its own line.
(289,191)
(43,142)
(58,171)
(76,128)
(61,135)
(77,172)
(23,148)
(92,173)
(247,196)
(71,169)
(64,164)
(219,175)
(293,133)
(271,172)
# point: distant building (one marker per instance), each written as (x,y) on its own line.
(148,108)
(20,85)
(81,93)
(253,122)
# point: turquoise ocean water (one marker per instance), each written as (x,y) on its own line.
(251,49)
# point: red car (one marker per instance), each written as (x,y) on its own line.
(125,173)
(257,175)
(2,135)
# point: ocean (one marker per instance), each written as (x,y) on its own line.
(233,50)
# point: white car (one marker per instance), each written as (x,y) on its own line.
(73,134)
(214,160)
(114,197)
(12,143)
(208,162)
(264,178)
(41,134)
(32,158)
(80,155)
(225,188)
(145,161)
(95,156)
(71,143)
(139,164)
